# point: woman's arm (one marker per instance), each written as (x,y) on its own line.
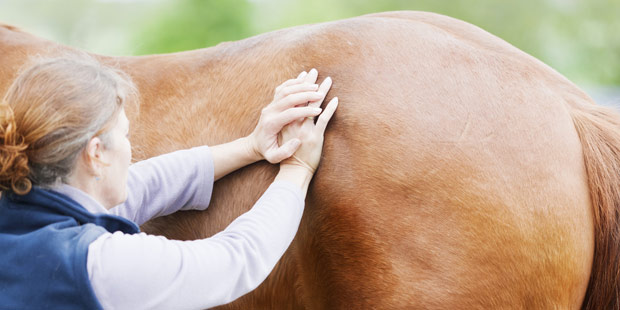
(144,271)
(183,180)
(231,156)
(128,271)
(164,184)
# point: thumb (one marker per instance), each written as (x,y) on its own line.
(285,151)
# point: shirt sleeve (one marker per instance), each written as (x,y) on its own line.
(151,272)
(158,186)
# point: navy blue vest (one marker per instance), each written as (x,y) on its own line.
(44,238)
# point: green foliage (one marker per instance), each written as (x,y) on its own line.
(579,38)
(192,24)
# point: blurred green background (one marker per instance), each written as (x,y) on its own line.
(579,38)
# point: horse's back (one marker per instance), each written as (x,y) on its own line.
(453,176)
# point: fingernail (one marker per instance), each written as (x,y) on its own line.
(317,110)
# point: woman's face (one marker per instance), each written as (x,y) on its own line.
(117,155)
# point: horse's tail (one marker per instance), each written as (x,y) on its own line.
(599,131)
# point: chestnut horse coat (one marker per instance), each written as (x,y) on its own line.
(457,173)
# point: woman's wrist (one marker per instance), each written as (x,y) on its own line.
(298,175)
(251,149)
(233,155)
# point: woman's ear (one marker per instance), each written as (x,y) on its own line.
(93,156)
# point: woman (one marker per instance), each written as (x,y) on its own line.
(71,203)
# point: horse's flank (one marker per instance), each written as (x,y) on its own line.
(453,176)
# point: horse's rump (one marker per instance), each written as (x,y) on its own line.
(453,176)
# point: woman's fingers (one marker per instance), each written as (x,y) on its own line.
(297,88)
(296,99)
(321,123)
(285,151)
(300,79)
(289,83)
(288,116)
(311,76)
(323,89)
(304,82)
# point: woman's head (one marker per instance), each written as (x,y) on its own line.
(51,114)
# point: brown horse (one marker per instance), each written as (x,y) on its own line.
(458,171)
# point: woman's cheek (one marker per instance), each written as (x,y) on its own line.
(128,150)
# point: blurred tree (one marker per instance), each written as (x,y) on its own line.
(190,24)
(579,38)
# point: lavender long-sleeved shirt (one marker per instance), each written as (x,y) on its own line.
(140,271)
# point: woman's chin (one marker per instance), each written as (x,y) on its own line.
(124,198)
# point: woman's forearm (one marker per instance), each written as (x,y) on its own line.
(196,274)
(231,156)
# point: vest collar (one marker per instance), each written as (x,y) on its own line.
(52,201)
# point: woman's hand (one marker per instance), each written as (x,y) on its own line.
(288,105)
(310,134)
